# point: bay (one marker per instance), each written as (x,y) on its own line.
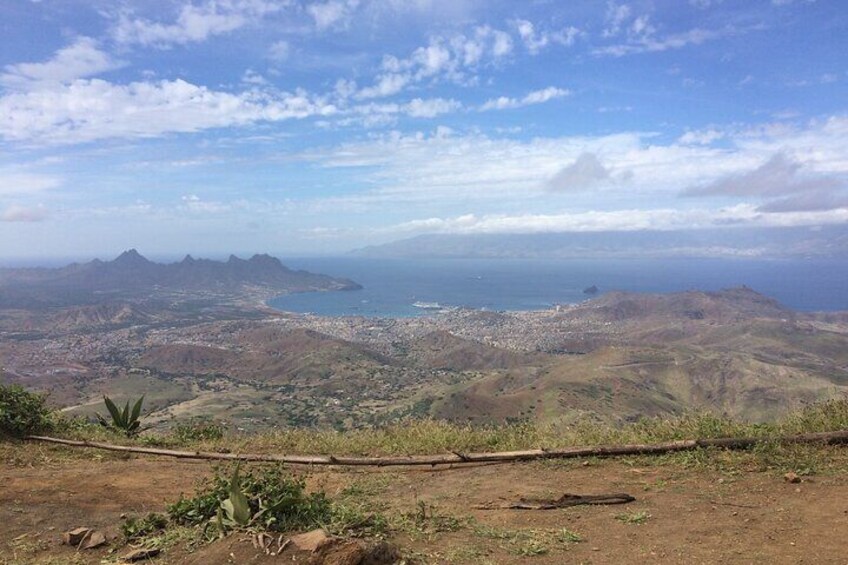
(392,287)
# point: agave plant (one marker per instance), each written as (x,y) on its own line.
(235,510)
(124,420)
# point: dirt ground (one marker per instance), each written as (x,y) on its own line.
(679,516)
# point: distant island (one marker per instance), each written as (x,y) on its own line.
(132,277)
(763,243)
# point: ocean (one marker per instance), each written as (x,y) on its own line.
(392,287)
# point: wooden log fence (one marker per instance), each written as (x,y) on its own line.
(458,458)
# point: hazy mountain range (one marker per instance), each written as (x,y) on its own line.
(132,275)
(821,242)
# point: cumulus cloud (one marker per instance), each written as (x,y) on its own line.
(16,213)
(535,97)
(584,173)
(701,137)
(420,108)
(82,58)
(637,34)
(535,40)
(87,110)
(331,14)
(616,16)
(194,23)
(453,58)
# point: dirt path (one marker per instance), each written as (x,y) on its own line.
(680,516)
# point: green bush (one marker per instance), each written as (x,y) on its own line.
(23,412)
(197,430)
(135,529)
(278,501)
(126,421)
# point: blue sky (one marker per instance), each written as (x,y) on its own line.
(304,128)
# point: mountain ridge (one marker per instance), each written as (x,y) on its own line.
(132,274)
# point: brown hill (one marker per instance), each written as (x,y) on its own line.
(724,306)
(444,350)
(189,359)
(624,383)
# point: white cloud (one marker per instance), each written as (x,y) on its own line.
(252,77)
(651,44)
(452,170)
(279,51)
(332,14)
(453,58)
(535,40)
(616,16)
(87,110)
(535,97)
(662,219)
(83,58)
(195,22)
(701,137)
(16,213)
(14,183)
(420,108)
(195,205)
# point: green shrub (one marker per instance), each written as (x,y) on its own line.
(135,529)
(126,421)
(197,430)
(277,501)
(23,412)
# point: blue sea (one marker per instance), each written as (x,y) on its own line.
(392,286)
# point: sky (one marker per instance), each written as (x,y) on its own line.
(311,128)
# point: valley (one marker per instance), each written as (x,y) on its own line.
(615,358)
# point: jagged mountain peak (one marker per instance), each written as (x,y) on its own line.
(131,256)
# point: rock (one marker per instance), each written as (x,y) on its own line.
(310,541)
(139,554)
(96,539)
(75,536)
(791,477)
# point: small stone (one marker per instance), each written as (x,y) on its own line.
(310,541)
(75,536)
(791,477)
(96,539)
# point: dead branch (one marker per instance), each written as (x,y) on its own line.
(566,500)
(823,438)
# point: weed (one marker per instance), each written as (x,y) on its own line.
(528,543)
(135,529)
(269,499)
(197,430)
(567,536)
(635,518)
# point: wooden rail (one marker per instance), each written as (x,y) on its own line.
(460,458)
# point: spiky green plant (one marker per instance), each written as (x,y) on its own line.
(126,420)
(235,510)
